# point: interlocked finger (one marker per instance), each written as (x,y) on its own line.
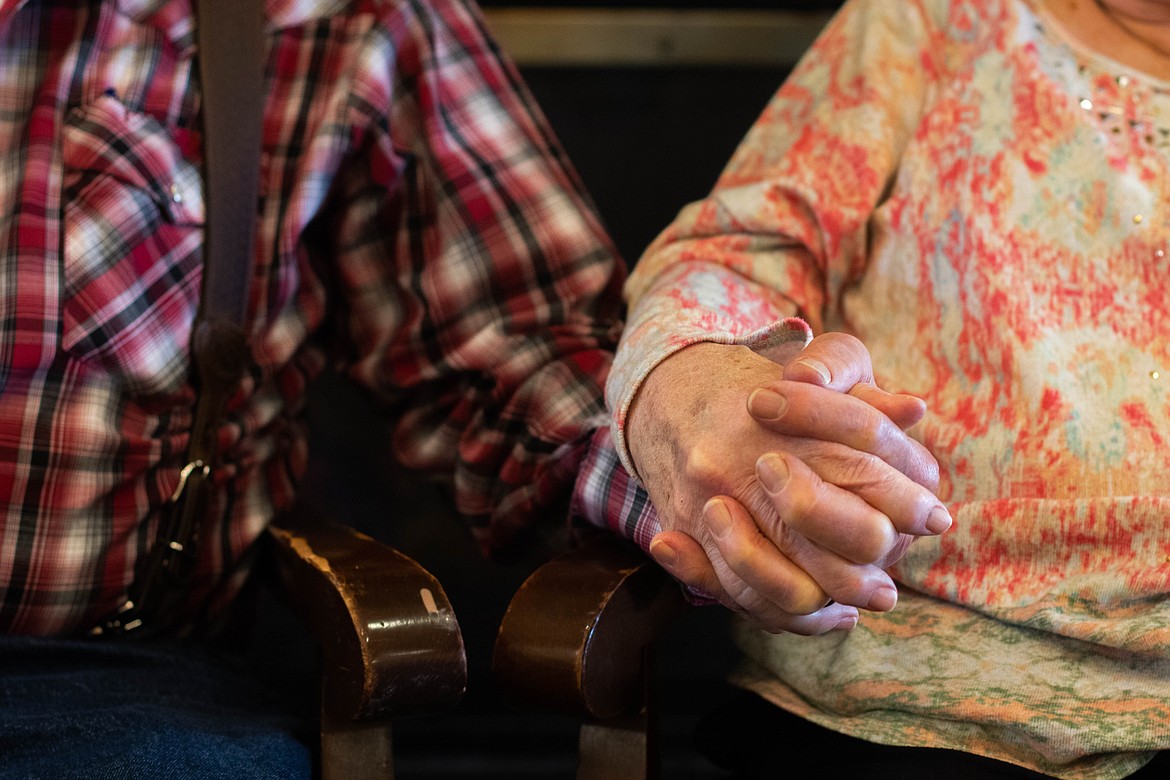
(836,519)
(831,617)
(861,489)
(866,586)
(800,410)
(752,562)
(687,561)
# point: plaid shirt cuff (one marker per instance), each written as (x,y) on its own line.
(606,496)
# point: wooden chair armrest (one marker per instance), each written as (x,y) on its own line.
(389,640)
(574,637)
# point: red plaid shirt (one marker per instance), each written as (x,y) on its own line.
(418,224)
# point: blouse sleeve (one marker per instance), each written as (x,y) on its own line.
(784,232)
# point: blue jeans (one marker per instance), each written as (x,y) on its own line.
(90,710)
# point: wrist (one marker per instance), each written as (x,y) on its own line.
(678,388)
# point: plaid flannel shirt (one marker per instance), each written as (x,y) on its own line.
(418,224)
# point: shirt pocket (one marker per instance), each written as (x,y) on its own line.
(132,236)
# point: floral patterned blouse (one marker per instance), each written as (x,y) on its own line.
(984,203)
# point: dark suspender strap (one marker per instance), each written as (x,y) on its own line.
(231,67)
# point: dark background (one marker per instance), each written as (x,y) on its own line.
(647,141)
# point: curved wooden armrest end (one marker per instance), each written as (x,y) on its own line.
(574,637)
(390,644)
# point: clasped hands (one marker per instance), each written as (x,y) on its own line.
(787,508)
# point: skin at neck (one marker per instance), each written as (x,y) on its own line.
(1133,32)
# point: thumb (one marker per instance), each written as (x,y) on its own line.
(837,361)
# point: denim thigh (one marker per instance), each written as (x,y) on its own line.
(92,710)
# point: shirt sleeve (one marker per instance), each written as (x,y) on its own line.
(606,496)
(480,293)
(784,231)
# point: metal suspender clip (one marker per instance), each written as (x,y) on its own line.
(170,562)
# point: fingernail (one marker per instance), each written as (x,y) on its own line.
(846,623)
(819,367)
(883,600)
(717,517)
(767,404)
(772,472)
(663,553)
(939,520)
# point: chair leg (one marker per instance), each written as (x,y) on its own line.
(356,751)
(577,640)
(625,747)
(617,749)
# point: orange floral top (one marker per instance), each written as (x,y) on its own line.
(984,203)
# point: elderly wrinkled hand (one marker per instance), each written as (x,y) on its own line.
(802,495)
